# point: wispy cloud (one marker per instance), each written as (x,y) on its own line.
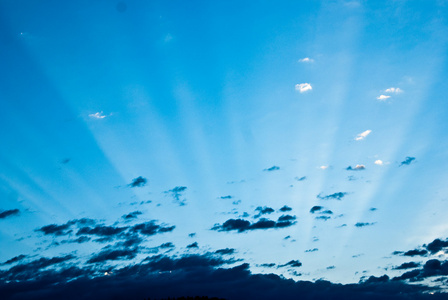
(306,60)
(323,167)
(394,90)
(407,161)
(273,168)
(303,87)
(97,115)
(363,135)
(383,97)
(9,213)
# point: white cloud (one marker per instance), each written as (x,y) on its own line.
(323,167)
(98,115)
(382,97)
(303,87)
(379,162)
(362,135)
(359,167)
(306,60)
(394,90)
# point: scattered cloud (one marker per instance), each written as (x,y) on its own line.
(323,167)
(383,97)
(151,228)
(132,215)
(315,208)
(408,160)
(226,197)
(363,135)
(285,208)
(263,211)
(356,168)
(101,230)
(9,213)
(394,90)
(361,224)
(56,230)
(97,115)
(226,251)
(241,225)
(273,168)
(408,265)
(337,196)
(379,162)
(325,218)
(138,182)
(303,87)
(193,245)
(306,60)
(177,193)
(292,264)
(284,218)
(113,254)
(301,178)
(416,252)
(311,250)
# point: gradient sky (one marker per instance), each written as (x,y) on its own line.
(307,139)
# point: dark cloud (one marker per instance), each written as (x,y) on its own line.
(226,197)
(263,211)
(362,224)
(292,263)
(284,218)
(312,250)
(9,213)
(226,251)
(408,265)
(151,228)
(328,212)
(192,234)
(331,267)
(113,254)
(14,259)
(241,225)
(301,178)
(325,218)
(57,230)
(269,265)
(193,245)
(167,245)
(416,252)
(408,160)
(437,245)
(285,208)
(373,209)
(337,196)
(176,193)
(315,208)
(138,182)
(273,168)
(132,215)
(356,168)
(101,230)
(80,240)
(431,268)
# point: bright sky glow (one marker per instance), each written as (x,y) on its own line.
(144,142)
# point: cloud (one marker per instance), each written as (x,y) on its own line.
(14,259)
(111,254)
(378,162)
(416,252)
(363,135)
(325,218)
(437,245)
(292,263)
(285,208)
(306,60)
(315,208)
(226,251)
(301,178)
(176,193)
(241,225)
(337,196)
(273,168)
(101,230)
(57,230)
(394,90)
(311,250)
(263,211)
(151,228)
(303,87)
(382,97)
(193,245)
(132,215)
(408,265)
(356,168)
(284,218)
(138,182)
(323,167)
(226,197)
(361,224)
(97,115)
(9,213)
(407,161)
(167,245)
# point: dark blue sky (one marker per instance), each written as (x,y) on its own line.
(294,146)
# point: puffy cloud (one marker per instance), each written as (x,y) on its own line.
(394,90)
(303,87)
(379,162)
(9,213)
(356,168)
(138,182)
(363,135)
(437,245)
(97,115)
(285,208)
(383,97)
(306,60)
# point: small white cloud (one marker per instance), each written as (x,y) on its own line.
(379,162)
(306,60)
(303,87)
(360,167)
(323,167)
(382,97)
(362,135)
(394,90)
(98,115)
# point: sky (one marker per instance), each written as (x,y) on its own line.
(234,149)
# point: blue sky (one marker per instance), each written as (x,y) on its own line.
(309,137)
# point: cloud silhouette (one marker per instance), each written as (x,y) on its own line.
(9,213)
(132,215)
(176,193)
(273,168)
(292,263)
(241,225)
(361,224)
(113,254)
(356,168)
(138,182)
(408,265)
(408,160)
(337,196)
(285,208)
